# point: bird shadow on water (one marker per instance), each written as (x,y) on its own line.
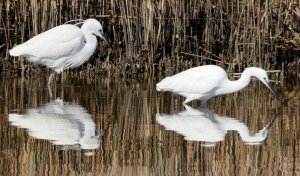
(65,124)
(203,125)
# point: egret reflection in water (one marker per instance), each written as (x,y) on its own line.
(62,123)
(206,126)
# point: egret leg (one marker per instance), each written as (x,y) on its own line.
(23,68)
(50,78)
(62,93)
(62,74)
(62,78)
(50,91)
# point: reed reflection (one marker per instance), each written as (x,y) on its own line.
(62,123)
(205,126)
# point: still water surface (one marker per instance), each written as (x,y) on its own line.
(114,126)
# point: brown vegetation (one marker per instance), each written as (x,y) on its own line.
(164,35)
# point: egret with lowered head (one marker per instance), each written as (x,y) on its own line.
(62,47)
(204,82)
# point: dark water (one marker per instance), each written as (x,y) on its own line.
(105,126)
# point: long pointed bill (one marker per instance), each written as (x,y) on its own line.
(105,40)
(269,86)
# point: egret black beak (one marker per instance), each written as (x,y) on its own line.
(102,36)
(271,89)
(109,44)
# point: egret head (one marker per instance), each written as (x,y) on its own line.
(94,27)
(262,75)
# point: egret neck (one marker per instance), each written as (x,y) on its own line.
(91,41)
(234,86)
(85,53)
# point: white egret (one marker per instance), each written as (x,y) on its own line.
(204,82)
(206,126)
(62,47)
(62,123)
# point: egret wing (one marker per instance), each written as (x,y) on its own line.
(200,80)
(200,85)
(55,43)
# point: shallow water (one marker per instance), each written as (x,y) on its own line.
(112,126)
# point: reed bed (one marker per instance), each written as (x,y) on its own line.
(158,35)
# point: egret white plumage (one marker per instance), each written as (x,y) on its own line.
(203,125)
(62,47)
(204,82)
(60,122)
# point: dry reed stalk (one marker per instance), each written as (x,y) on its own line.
(148,34)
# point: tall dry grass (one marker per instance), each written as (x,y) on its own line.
(165,35)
